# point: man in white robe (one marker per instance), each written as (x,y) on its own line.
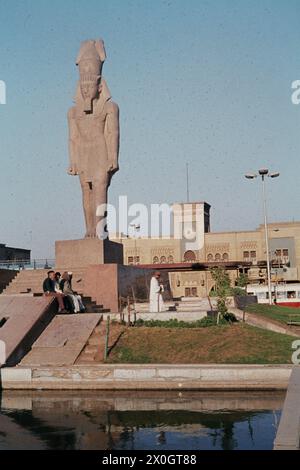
(156,290)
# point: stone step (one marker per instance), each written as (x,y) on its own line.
(95,339)
(187,308)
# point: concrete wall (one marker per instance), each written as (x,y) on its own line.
(23,319)
(149,377)
(109,283)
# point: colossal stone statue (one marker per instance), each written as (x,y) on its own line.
(93,135)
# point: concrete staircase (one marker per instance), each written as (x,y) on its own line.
(143,307)
(30,282)
(186,304)
(93,353)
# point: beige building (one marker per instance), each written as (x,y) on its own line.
(244,251)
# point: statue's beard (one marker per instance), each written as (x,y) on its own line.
(88,104)
(88,101)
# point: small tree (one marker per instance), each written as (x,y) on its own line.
(242,280)
(222,288)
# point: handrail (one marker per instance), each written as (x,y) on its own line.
(18,264)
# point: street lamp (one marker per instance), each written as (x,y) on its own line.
(263,172)
(136,227)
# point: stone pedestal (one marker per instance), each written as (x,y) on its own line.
(71,254)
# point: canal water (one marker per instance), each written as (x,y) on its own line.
(139,420)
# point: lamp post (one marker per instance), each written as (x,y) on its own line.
(264,172)
(136,227)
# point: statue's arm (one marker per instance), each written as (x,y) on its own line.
(112,136)
(73,140)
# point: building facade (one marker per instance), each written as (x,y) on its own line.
(241,251)
(14,255)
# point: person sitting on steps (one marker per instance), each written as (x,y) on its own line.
(66,287)
(49,290)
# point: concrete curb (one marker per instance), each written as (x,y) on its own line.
(148,377)
(288,434)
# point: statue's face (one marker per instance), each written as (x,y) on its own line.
(89,89)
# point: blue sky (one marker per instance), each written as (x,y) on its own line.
(208,82)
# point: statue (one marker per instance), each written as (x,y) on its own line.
(93,135)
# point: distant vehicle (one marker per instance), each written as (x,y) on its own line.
(286,295)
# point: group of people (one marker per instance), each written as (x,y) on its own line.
(60,287)
(69,301)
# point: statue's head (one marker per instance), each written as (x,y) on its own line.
(90,62)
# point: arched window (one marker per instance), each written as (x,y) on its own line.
(170,259)
(155,260)
(217,257)
(210,257)
(189,256)
(163,259)
(225,257)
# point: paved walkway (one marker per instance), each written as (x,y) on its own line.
(266,323)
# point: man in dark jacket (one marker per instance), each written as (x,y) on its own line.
(49,290)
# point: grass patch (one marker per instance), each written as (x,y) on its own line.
(276,312)
(223,344)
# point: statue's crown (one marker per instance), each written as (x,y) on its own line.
(91,57)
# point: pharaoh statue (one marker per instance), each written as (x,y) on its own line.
(93,135)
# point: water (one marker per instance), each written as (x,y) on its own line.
(139,420)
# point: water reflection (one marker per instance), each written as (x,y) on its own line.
(139,420)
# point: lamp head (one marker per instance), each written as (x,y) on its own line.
(263,171)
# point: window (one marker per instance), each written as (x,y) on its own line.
(217,257)
(189,256)
(163,259)
(225,257)
(194,291)
(210,257)
(155,260)
(187,292)
(278,253)
(281,294)
(130,259)
(246,254)
(252,254)
(285,253)
(170,259)
(137,259)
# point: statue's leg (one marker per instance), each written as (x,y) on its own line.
(88,207)
(100,200)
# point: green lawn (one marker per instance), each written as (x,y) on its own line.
(223,344)
(275,312)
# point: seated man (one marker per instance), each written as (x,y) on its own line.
(49,289)
(74,298)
